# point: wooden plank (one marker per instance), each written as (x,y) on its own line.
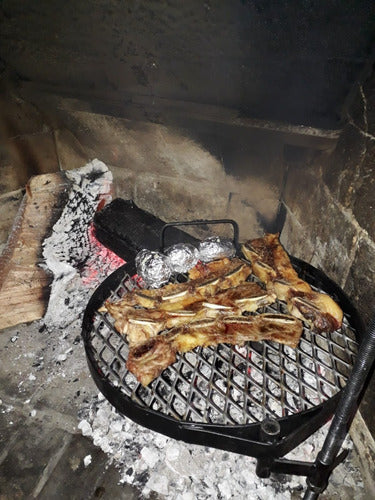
(24,285)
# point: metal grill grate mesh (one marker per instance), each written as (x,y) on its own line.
(232,384)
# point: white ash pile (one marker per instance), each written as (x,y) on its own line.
(180,471)
(78,262)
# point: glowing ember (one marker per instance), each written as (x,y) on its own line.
(102,261)
(139,281)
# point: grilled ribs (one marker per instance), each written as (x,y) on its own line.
(141,324)
(208,309)
(271,264)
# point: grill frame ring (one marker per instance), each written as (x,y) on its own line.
(245,439)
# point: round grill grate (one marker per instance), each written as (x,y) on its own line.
(231,385)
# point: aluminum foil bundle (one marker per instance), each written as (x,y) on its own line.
(153,267)
(182,257)
(215,247)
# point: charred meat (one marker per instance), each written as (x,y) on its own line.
(140,324)
(271,264)
(148,360)
(226,274)
(317,309)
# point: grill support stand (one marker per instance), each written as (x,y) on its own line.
(327,458)
(270,433)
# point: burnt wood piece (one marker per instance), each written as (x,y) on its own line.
(24,285)
(125,229)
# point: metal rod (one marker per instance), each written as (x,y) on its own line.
(343,417)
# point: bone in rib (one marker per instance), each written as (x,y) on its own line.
(148,360)
(272,265)
(141,324)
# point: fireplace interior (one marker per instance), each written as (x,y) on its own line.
(261,112)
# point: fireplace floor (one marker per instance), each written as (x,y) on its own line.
(43,384)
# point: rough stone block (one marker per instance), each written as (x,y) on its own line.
(295,239)
(360,281)
(182,199)
(145,147)
(363,104)
(341,169)
(70,152)
(10,178)
(27,460)
(328,228)
(252,215)
(34,154)
(367,407)
(179,172)
(19,117)
(124,181)
(364,204)
(73,479)
(179,199)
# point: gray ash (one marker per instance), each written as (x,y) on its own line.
(178,471)
(69,252)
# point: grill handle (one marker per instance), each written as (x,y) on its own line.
(201,222)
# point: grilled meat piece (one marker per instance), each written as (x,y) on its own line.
(139,324)
(174,297)
(282,328)
(227,276)
(272,265)
(246,297)
(142,324)
(282,288)
(213,268)
(148,360)
(317,309)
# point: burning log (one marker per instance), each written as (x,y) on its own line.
(24,285)
(51,238)
(71,252)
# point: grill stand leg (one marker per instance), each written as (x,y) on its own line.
(269,433)
(346,409)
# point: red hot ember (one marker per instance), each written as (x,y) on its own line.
(101,259)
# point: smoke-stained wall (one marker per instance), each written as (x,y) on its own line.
(330,218)
(293,61)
